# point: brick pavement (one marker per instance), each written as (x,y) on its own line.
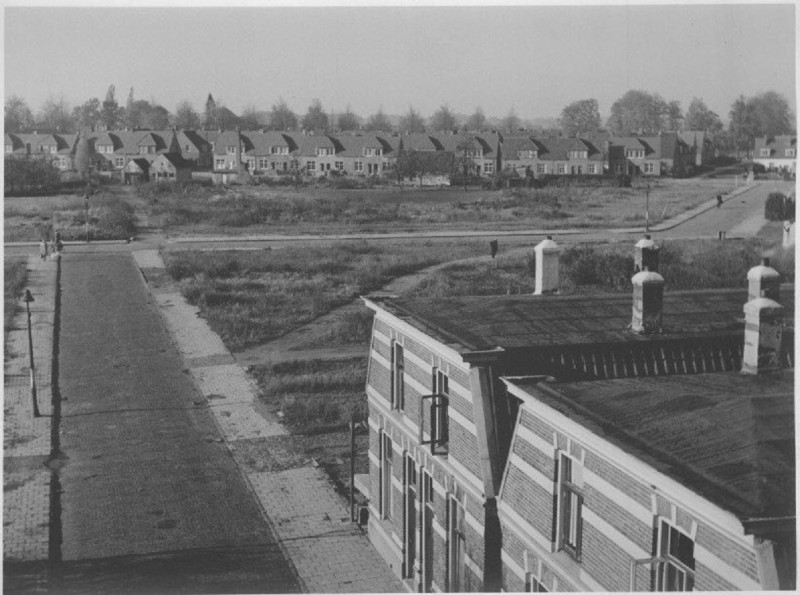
(26,439)
(311,520)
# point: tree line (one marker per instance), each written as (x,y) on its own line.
(636,112)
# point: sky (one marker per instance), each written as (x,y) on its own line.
(534,59)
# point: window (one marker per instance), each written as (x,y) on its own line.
(311,165)
(533,584)
(398,380)
(649,168)
(9,148)
(339,165)
(540,168)
(372,152)
(456,545)
(119,161)
(279,150)
(570,502)
(765,152)
(526,154)
(592,168)
(439,420)
(488,167)
(675,570)
(262,163)
(230,149)
(251,164)
(219,164)
(790,152)
(578,154)
(358,166)
(409,516)
(617,168)
(322,151)
(634,153)
(561,168)
(386,475)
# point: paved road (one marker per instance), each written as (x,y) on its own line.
(152,501)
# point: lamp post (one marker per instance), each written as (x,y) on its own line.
(28,300)
(86,205)
(647,208)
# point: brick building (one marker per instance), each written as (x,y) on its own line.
(577,443)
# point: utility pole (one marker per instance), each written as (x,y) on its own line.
(28,300)
(647,209)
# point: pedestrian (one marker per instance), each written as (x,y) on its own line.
(43,250)
(719,200)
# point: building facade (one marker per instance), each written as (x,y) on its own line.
(493,466)
(776,152)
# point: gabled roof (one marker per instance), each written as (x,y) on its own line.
(152,139)
(15,141)
(778,143)
(513,144)
(420,141)
(174,159)
(558,148)
(727,436)
(140,163)
(309,143)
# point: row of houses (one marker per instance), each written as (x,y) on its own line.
(585,443)
(776,153)
(271,153)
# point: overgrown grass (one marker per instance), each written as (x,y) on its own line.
(34,218)
(315,395)
(15,277)
(259,209)
(253,297)
(683,264)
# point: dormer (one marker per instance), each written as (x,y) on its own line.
(634,153)
(765,152)
(528,154)
(278,150)
(582,154)
(323,151)
(372,152)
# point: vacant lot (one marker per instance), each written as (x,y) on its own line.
(37,217)
(198,210)
(256,296)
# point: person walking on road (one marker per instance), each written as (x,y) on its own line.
(43,250)
(719,200)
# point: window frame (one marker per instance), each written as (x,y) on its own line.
(385,474)
(683,570)
(398,376)
(569,507)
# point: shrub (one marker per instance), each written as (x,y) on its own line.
(15,277)
(779,207)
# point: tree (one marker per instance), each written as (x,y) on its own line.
(146,115)
(55,116)
(250,119)
(185,116)
(699,117)
(315,118)
(110,114)
(477,121)
(638,111)
(742,124)
(84,155)
(580,118)
(511,122)
(771,113)
(378,122)
(281,117)
(129,111)
(18,116)
(26,175)
(463,164)
(443,120)
(210,119)
(87,115)
(411,121)
(347,120)
(672,116)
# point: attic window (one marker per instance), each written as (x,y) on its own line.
(583,154)
(765,152)
(526,154)
(372,152)
(790,152)
(634,153)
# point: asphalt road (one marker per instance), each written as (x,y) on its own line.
(152,501)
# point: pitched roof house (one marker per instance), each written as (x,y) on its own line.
(776,152)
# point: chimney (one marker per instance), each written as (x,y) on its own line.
(546,266)
(648,302)
(645,255)
(763,333)
(763,280)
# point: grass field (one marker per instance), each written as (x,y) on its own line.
(34,218)
(248,210)
(252,297)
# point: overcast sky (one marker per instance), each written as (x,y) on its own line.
(534,59)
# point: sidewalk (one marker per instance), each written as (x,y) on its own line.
(329,552)
(26,440)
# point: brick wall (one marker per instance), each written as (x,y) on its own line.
(735,554)
(627,524)
(604,560)
(620,480)
(464,448)
(707,580)
(530,500)
(380,379)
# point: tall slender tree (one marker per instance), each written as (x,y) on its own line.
(477,121)
(18,116)
(315,118)
(411,121)
(186,118)
(378,122)
(281,117)
(443,120)
(210,116)
(110,114)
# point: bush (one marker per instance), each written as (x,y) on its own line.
(15,277)
(779,207)
(30,176)
(585,266)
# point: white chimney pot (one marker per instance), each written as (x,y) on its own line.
(546,280)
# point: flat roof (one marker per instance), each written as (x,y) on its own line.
(728,436)
(480,323)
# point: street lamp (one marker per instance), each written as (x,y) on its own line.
(28,300)
(647,208)
(86,205)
